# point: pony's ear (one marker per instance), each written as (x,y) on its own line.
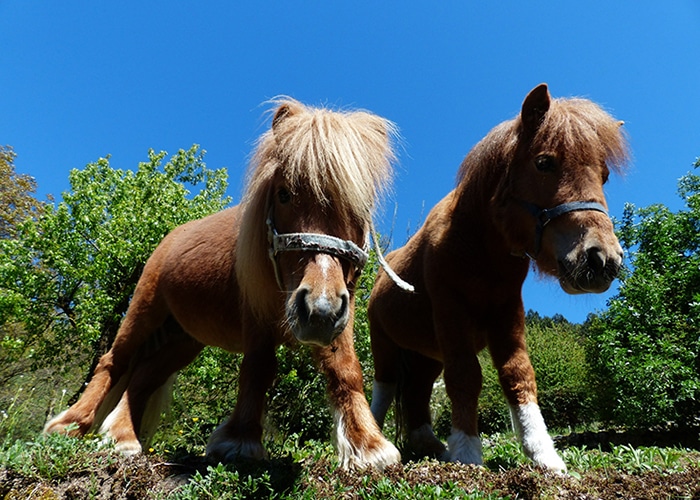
(282,112)
(535,106)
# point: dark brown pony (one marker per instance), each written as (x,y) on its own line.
(533,187)
(279,266)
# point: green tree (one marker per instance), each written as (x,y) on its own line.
(645,347)
(17,201)
(67,276)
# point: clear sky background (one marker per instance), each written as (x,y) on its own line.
(80,80)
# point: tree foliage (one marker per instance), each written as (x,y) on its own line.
(646,345)
(66,277)
(17,201)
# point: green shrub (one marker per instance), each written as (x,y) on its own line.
(557,352)
(297,402)
(645,346)
(204,395)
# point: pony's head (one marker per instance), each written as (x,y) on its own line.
(313,184)
(560,153)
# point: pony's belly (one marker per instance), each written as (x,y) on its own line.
(223,334)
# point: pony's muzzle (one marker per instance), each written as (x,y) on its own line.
(592,271)
(318,319)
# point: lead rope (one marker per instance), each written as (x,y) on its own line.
(404,285)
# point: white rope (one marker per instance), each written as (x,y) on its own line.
(385,265)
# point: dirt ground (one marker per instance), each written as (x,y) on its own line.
(141,477)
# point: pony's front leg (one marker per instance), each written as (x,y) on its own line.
(241,435)
(358,439)
(517,379)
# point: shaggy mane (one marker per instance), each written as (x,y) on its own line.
(343,158)
(578,126)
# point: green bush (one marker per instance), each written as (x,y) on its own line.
(557,352)
(645,346)
(204,395)
(297,402)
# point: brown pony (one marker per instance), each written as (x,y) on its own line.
(533,187)
(281,265)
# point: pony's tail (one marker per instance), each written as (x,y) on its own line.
(399,414)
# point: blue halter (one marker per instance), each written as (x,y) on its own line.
(544,216)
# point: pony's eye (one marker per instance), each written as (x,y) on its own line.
(283,196)
(546,163)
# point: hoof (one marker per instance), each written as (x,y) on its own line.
(464,448)
(371,449)
(379,456)
(422,442)
(62,424)
(128,448)
(550,459)
(225,449)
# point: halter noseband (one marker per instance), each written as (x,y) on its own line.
(312,242)
(544,216)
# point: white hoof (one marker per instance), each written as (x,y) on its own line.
(378,455)
(128,448)
(55,424)
(537,444)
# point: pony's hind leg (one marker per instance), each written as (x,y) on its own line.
(142,319)
(463,382)
(386,356)
(418,374)
(133,420)
(358,439)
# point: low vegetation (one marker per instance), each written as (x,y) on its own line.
(620,391)
(61,467)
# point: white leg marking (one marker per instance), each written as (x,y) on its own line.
(464,448)
(51,423)
(530,428)
(350,456)
(382,396)
(158,402)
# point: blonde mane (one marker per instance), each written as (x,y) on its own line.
(343,159)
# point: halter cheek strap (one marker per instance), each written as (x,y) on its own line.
(544,216)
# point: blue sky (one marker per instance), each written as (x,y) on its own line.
(81,79)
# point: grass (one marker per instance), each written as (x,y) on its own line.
(309,471)
(55,466)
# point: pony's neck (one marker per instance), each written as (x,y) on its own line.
(482,189)
(480,182)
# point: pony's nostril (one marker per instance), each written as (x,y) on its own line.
(596,260)
(302,308)
(343,305)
